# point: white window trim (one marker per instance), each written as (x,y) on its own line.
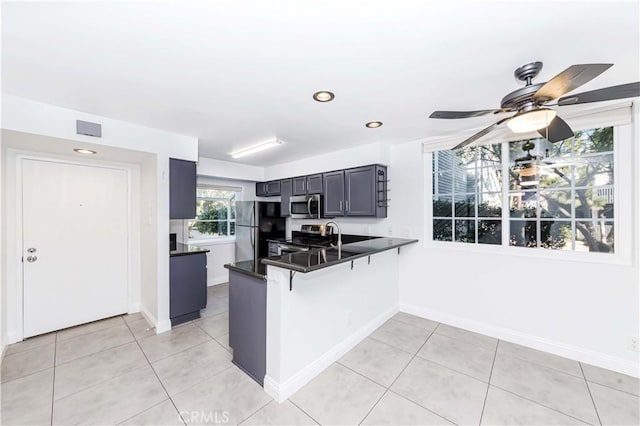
(623,199)
(215,240)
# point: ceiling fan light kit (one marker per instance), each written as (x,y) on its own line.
(530,102)
(529,121)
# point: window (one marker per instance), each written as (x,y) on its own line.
(215,213)
(557,196)
(467,195)
(561,195)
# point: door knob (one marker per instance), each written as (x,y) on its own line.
(32,259)
(31,250)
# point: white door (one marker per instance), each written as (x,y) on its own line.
(74,227)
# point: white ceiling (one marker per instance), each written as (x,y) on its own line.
(237,73)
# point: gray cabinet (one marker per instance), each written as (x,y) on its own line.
(286,190)
(182,189)
(300,185)
(268,189)
(187,287)
(333,193)
(361,191)
(314,184)
(303,185)
(248,324)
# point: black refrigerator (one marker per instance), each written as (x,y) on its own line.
(256,223)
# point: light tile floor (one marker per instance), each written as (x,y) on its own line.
(411,371)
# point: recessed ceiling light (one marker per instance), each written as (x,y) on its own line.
(374,124)
(257,148)
(323,96)
(84,151)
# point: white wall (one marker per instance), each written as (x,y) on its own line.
(229,170)
(324,316)
(376,153)
(582,310)
(23,115)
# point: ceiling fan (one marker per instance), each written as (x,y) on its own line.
(531,102)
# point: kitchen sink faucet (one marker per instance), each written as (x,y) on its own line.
(332,223)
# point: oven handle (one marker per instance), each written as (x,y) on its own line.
(309,206)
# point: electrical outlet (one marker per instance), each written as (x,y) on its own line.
(390,230)
(632,344)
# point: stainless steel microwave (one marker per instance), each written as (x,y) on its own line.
(306,206)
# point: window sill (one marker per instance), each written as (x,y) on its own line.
(213,241)
(538,253)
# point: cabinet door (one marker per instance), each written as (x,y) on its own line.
(333,183)
(261,189)
(314,184)
(182,189)
(273,188)
(360,195)
(187,284)
(286,189)
(300,185)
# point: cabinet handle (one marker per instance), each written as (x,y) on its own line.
(347,205)
(340,205)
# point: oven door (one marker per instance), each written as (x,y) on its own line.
(290,248)
(305,207)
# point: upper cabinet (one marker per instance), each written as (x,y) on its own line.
(303,185)
(268,189)
(361,191)
(333,194)
(286,190)
(182,187)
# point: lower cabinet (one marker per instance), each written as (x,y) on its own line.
(187,286)
(248,324)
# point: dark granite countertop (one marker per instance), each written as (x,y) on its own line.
(249,267)
(185,249)
(322,258)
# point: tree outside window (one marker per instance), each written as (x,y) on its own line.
(560,195)
(215,213)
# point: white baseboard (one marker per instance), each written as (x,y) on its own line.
(162,326)
(282,391)
(218,280)
(554,347)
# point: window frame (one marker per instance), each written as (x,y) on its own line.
(623,202)
(228,220)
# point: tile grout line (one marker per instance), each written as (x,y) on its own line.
(157,377)
(586,382)
(300,408)
(252,414)
(486,395)
(540,404)
(53,383)
(388,389)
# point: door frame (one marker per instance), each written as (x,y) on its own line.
(133,244)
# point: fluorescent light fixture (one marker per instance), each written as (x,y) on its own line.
(84,151)
(529,121)
(323,96)
(374,124)
(257,148)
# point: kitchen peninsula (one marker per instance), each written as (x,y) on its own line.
(291,316)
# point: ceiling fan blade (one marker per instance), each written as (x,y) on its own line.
(629,90)
(569,79)
(557,130)
(463,114)
(480,134)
